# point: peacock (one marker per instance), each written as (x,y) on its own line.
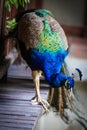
(43,45)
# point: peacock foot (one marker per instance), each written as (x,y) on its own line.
(38,100)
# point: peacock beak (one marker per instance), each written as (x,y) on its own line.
(67,85)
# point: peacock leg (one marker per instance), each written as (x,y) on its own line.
(61,107)
(68,97)
(51,96)
(37,99)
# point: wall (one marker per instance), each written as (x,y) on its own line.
(69,12)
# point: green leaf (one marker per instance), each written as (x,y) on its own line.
(7,5)
(11,24)
(20,2)
(23,3)
(27,1)
(16,3)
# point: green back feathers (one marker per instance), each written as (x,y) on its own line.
(49,41)
(42,12)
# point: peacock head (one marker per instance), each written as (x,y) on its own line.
(60,79)
(69,83)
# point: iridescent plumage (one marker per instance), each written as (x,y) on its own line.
(44,46)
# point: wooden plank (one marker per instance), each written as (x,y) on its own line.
(22,90)
(15,117)
(16,103)
(16,110)
(19,109)
(11,128)
(16,125)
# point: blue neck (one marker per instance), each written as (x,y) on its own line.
(57,80)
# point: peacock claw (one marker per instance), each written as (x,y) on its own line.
(35,100)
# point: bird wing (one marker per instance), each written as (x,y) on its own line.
(49,40)
(41,27)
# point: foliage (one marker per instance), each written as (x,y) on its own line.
(11,24)
(16,3)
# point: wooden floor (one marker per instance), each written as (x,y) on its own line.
(16,110)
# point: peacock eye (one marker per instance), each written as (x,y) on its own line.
(67,84)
